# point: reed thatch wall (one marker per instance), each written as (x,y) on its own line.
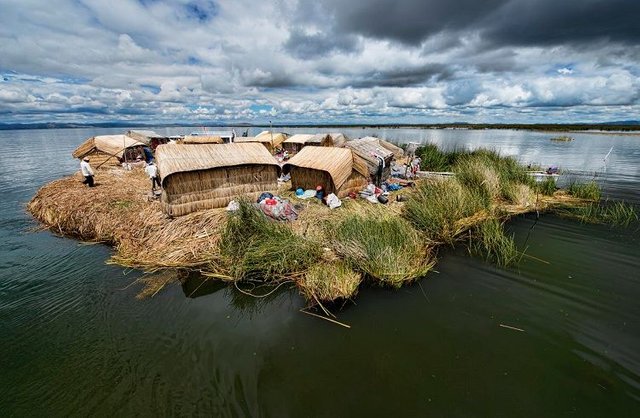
(188,192)
(332,168)
(105,150)
(209,176)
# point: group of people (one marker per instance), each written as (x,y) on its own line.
(150,168)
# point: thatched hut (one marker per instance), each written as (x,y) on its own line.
(271,140)
(296,142)
(369,148)
(335,169)
(210,176)
(109,150)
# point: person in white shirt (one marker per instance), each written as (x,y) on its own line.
(152,171)
(87,172)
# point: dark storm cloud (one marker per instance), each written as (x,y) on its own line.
(406,21)
(553,22)
(502,22)
(403,76)
(306,46)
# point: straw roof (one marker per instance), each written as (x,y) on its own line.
(338,139)
(298,139)
(113,145)
(144,135)
(396,150)
(199,139)
(338,162)
(177,158)
(272,138)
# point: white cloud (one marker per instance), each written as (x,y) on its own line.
(158,62)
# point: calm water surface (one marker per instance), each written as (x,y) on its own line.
(75,341)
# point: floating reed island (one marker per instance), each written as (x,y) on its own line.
(326,253)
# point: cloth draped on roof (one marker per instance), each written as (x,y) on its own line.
(177,158)
(338,162)
(113,145)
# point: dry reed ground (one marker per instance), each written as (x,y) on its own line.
(118,212)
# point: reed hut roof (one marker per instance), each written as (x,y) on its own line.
(144,135)
(200,139)
(245,139)
(272,138)
(338,162)
(396,150)
(113,145)
(177,158)
(338,139)
(299,139)
(307,139)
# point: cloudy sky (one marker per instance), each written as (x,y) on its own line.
(319,61)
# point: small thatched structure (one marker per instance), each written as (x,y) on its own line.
(369,147)
(109,150)
(296,142)
(271,140)
(338,139)
(209,176)
(335,169)
(201,139)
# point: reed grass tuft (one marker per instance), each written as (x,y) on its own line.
(330,281)
(490,243)
(588,191)
(617,213)
(259,248)
(436,206)
(547,187)
(382,246)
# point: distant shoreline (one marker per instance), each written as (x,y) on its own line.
(632,128)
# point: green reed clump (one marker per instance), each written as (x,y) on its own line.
(257,247)
(546,187)
(610,213)
(589,191)
(436,206)
(489,242)
(330,281)
(492,175)
(434,159)
(381,246)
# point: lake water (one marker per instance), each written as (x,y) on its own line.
(76,341)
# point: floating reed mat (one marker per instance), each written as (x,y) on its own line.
(325,253)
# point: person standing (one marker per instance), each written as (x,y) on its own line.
(87,172)
(152,171)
